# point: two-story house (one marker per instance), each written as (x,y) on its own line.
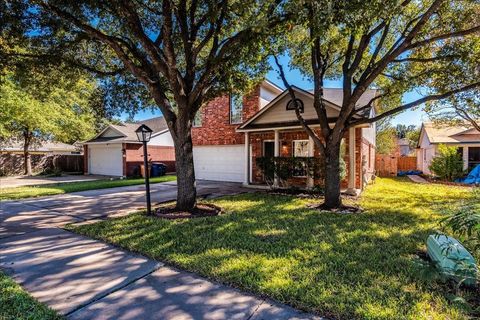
(232,131)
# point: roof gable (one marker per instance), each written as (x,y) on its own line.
(276,113)
(450,134)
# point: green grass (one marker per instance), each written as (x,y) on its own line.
(60,188)
(17,304)
(361,266)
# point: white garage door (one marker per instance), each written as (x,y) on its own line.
(219,163)
(105,159)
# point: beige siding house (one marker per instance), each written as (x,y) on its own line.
(464,137)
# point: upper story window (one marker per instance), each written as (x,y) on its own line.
(197,121)
(236,109)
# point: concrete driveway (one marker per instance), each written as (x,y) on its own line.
(21,181)
(21,216)
(84,279)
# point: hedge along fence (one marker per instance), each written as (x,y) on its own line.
(12,164)
(286,168)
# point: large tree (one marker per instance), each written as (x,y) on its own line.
(31,113)
(393,46)
(183,53)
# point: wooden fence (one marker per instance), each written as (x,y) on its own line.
(389,166)
(12,164)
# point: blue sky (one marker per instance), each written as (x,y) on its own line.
(294,76)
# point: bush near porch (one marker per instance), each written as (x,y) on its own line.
(360,266)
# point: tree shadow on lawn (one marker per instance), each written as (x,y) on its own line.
(354,265)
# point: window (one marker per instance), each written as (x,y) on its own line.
(473,157)
(236,109)
(197,121)
(300,148)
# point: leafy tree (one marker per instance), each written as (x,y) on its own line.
(178,54)
(393,46)
(386,138)
(448,164)
(32,115)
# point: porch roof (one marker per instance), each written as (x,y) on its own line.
(275,114)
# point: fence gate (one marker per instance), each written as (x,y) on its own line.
(389,166)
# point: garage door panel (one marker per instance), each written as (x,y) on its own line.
(105,160)
(219,163)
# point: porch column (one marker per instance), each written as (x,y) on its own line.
(247,159)
(276,152)
(351,161)
(311,153)
(465,158)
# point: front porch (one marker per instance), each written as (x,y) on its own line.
(295,142)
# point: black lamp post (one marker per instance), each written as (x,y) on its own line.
(143,134)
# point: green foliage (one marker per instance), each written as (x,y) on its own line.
(285,168)
(17,304)
(448,164)
(61,113)
(61,188)
(464,222)
(346,266)
(386,139)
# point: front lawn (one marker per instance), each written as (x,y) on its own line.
(341,266)
(59,188)
(17,304)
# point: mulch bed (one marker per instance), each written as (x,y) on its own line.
(201,210)
(447,183)
(344,209)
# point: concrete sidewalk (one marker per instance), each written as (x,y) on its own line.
(22,181)
(84,278)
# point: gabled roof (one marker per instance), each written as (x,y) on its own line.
(126,131)
(450,134)
(332,94)
(46,146)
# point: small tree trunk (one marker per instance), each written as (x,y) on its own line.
(27,159)
(332,176)
(186,186)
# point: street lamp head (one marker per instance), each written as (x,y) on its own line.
(143,133)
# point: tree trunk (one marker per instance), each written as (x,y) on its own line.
(27,159)
(332,176)
(186,186)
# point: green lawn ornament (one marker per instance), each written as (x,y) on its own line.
(452,259)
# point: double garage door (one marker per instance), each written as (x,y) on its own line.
(220,163)
(105,159)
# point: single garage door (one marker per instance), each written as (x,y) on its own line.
(219,163)
(105,159)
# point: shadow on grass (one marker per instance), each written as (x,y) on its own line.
(343,266)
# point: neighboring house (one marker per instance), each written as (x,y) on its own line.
(403,147)
(466,138)
(43,148)
(116,151)
(232,131)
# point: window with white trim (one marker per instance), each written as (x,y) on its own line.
(300,148)
(197,121)
(236,108)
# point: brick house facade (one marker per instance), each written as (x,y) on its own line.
(219,144)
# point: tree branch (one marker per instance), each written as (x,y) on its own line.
(416,103)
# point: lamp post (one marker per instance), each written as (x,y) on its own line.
(143,134)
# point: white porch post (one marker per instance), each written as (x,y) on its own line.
(311,153)
(351,161)
(276,152)
(247,159)
(465,158)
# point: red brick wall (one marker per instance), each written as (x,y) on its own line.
(134,157)
(216,128)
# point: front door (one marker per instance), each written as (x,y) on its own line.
(268,149)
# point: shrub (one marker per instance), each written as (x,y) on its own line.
(448,164)
(286,168)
